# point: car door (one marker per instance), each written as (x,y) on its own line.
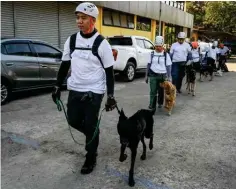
(21,64)
(142,61)
(49,59)
(149,47)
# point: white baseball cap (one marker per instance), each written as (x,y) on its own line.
(181,35)
(88,9)
(215,43)
(159,41)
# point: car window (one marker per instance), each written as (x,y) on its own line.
(140,43)
(46,51)
(3,50)
(124,41)
(18,49)
(148,45)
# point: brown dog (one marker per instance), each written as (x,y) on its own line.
(170,95)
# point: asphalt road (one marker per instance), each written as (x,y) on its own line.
(195,148)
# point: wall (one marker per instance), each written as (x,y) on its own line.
(185,30)
(150,9)
(111,31)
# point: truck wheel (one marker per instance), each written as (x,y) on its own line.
(5,92)
(129,72)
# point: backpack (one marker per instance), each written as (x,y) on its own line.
(149,65)
(94,48)
(152,55)
(204,60)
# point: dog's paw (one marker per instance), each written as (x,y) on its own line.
(169,113)
(123,158)
(143,157)
(131,182)
(150,146)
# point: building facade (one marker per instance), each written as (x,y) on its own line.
(53,22)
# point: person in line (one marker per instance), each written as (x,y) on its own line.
(223,52)
(91,75)
(158,70)
(212,58)
(179,53)
(196,56)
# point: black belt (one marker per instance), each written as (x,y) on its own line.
(152,73)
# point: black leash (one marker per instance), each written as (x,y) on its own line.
(61,106)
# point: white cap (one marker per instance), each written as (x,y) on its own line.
(215,43)
(88,9)
(181,35)
(159,41)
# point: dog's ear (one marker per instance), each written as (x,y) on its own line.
(122,112)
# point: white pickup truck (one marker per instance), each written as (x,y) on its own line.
(131,54)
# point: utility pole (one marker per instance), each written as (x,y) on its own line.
(160,19)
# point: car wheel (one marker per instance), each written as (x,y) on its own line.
(129,72)
(5,92)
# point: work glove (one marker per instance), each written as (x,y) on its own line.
(110,104)
(56,93)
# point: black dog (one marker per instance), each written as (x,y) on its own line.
(131,131)
(191,79)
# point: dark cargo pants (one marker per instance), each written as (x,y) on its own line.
(83,111)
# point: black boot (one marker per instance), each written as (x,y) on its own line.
(89,164)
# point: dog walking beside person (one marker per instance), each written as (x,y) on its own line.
(170,96)
(158,70)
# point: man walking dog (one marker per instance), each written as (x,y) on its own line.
(179,53)
(91,60)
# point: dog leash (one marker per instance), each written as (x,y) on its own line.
(60,107)
(117,109)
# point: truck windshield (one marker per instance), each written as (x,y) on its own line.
(124,41)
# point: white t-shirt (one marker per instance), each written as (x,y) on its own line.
(195,55)
(158,62)
(224,50)
(87,73)
(180,51)
(212,53)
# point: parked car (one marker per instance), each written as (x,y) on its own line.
(27,64)
(132,53)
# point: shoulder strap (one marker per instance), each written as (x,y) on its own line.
(152,54)
(165,56)
(206,54)
(95,47)
(72,43)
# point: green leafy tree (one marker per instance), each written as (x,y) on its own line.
(216,15)
(221,16)
(197,8)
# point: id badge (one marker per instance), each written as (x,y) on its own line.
(84,54)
